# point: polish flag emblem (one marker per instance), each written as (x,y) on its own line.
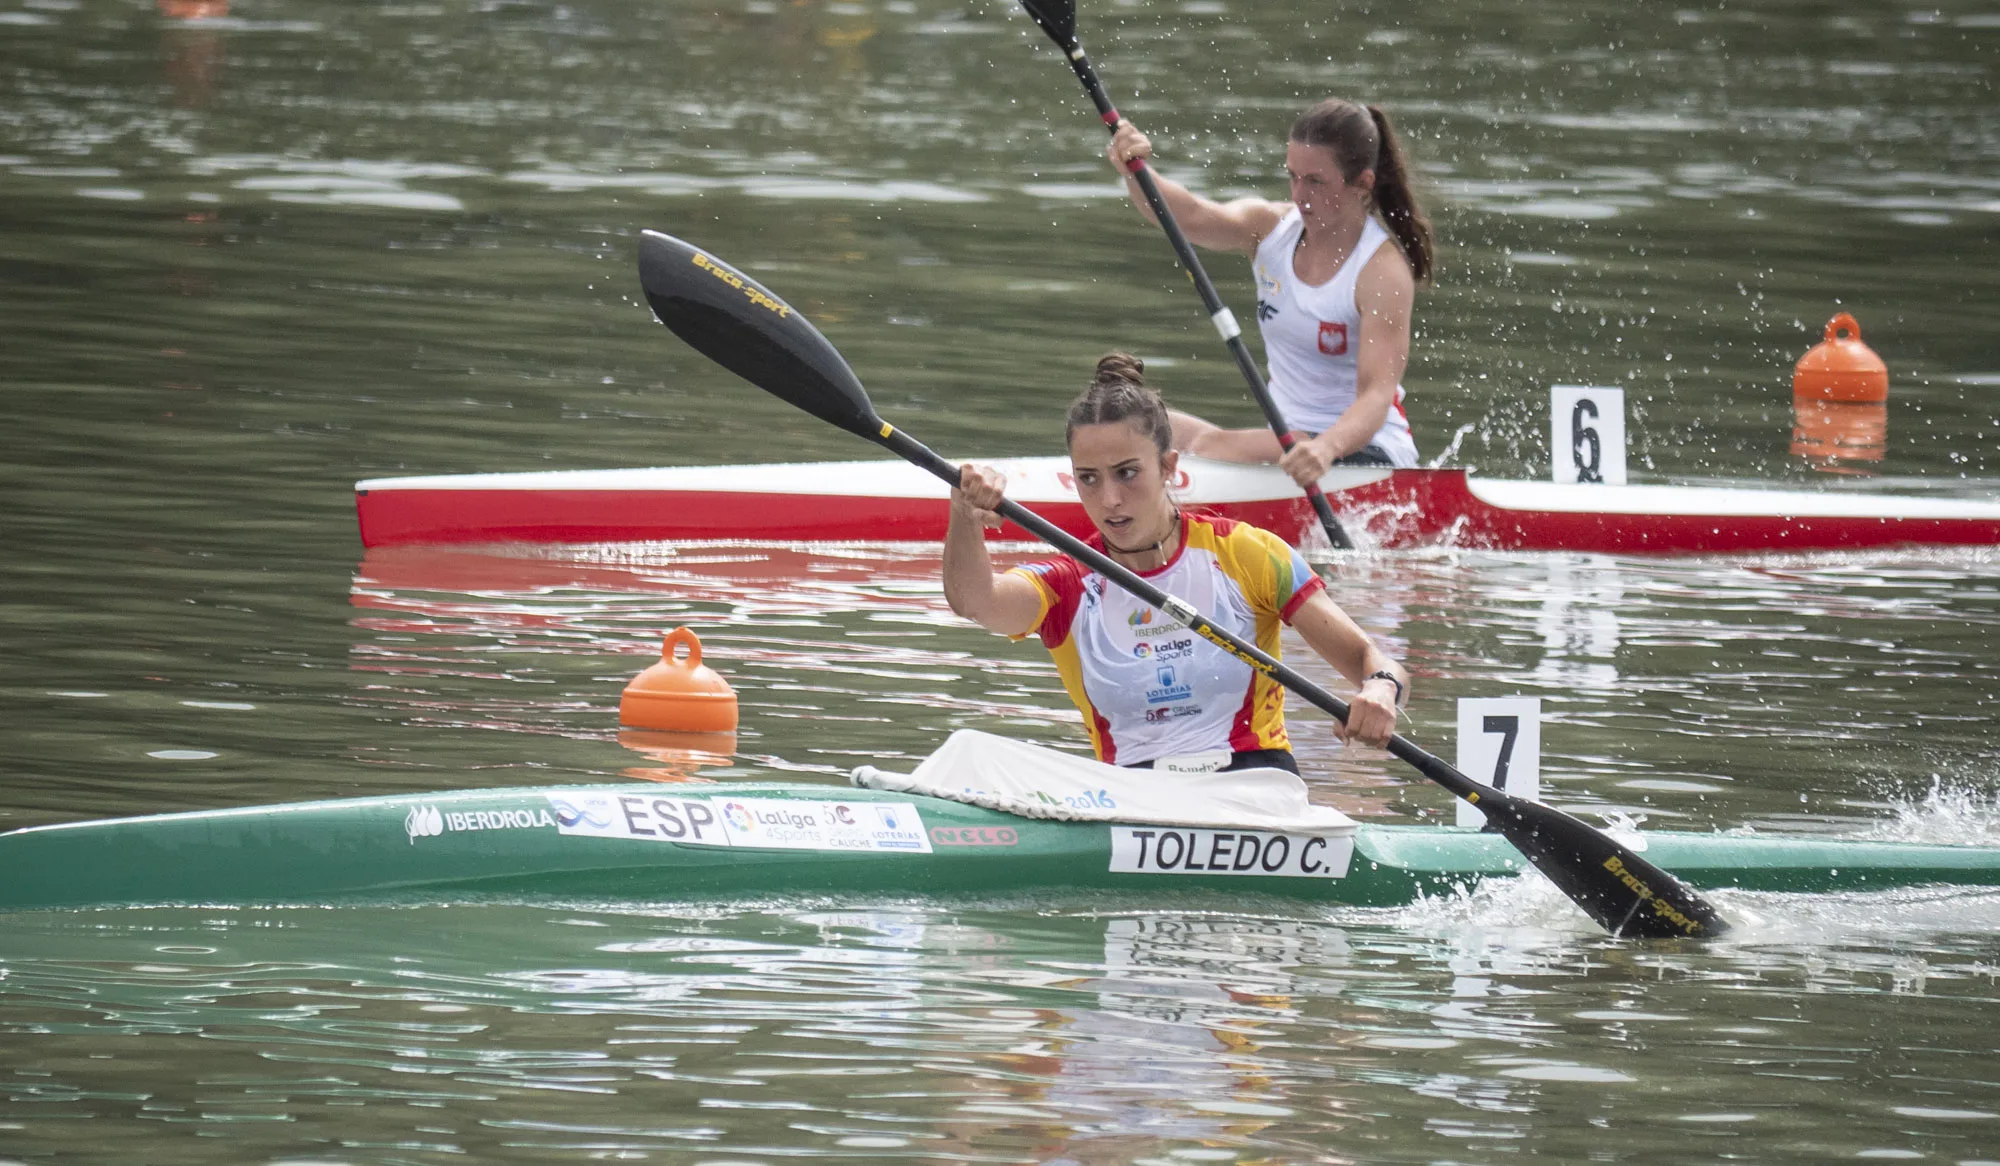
(1332,338)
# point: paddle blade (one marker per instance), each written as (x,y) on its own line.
(735,322)
(1627,895)
(1057,18)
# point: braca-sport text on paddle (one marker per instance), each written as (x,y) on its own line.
(739,324)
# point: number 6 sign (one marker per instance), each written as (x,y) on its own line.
(1587,434)
(1500,744)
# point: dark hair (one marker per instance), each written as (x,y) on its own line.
(1361,138)
(1118,392)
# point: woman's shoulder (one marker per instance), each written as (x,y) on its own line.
(1272,220)
(1388,270)
(1218,532)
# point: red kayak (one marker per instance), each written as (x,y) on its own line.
(892,501)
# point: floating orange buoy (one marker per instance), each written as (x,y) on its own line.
(1840,367)
(679,695)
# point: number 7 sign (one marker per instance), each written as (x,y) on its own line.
(1500,744)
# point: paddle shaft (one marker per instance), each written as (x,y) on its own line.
(1218,312)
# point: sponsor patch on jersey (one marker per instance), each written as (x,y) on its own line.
(1172,687)
(1170,850)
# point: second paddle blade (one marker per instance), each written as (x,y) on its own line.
(737,323)
(1627,895)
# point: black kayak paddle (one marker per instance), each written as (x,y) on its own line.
(740,325)
(1058,19)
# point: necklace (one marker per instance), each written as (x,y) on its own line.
(1173,528)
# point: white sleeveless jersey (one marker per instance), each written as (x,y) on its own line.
(1313,334)
(1149,688)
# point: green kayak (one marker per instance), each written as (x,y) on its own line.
(648,842)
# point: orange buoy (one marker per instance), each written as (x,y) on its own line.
(679,695)
(1840,367)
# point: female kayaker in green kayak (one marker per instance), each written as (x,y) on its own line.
(1337,267)
(1154,693)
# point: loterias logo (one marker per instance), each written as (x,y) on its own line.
(1173,687)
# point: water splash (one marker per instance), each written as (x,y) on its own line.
(1948,813)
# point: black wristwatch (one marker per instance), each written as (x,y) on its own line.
(1391,678)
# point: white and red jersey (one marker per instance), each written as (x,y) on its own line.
(1312,335)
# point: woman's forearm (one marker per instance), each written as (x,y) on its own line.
(968,569)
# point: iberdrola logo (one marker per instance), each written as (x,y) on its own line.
(1140,617)
(423,822)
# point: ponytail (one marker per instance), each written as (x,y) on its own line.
(1400,212)
(1361,138)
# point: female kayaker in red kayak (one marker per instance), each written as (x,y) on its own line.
(1154,693)
(1333,302)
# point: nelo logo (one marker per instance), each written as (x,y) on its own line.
(1332,338)
(974,835)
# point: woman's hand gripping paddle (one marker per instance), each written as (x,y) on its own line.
(734,321)
(1058,19)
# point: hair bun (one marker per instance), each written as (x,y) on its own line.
(1120,366)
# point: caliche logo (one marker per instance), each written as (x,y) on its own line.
(843,815)
(738,816)
(423,822)
(1332,338)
